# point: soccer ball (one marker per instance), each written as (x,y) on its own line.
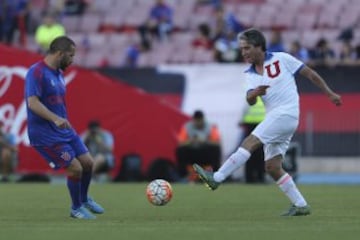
(159,192)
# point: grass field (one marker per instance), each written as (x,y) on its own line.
(234,211)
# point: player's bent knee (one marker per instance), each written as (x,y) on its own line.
(251,143)
(74,173)
(86,162)
(74,169)
(273,166)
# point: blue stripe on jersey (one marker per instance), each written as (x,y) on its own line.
(298,70)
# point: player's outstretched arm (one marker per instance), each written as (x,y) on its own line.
(252,94)
(316,79)
(40,109)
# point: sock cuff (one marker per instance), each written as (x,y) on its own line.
(284,178)
(244,152)
(73,178)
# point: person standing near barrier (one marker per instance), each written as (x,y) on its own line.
(271,76)
(50,131)
(199,142)
(255,166)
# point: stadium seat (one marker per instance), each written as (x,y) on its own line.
(202,56)
(71,23)
(115,23)
(103,5)
(90,23)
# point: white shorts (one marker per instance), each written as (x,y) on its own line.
(275,132)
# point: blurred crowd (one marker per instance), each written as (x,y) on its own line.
(40,21)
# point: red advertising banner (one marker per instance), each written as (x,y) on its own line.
(140,122)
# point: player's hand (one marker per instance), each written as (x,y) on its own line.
(336,99)
(62,123)
(261,90)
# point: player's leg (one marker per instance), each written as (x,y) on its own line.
(236,160)
(74,173)
(251,143)
(86,162)
(273,166)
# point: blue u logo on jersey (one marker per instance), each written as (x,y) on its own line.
(269,70)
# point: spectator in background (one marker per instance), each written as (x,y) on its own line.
(159,24)
(100,143)
(322,54)
(199,142)
(14,15)
(347,34)
(132,54)
(225,23)
(299,51)
(47,32)
(8,152)
(75,7)
(276,43)
(255,166)
(203,38)
(347,54)
(226,26)
(226,48)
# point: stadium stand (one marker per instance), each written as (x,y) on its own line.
(108,27)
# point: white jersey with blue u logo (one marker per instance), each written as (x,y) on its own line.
(281,101)
(279,71)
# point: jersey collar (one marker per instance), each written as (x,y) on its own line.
(56,71)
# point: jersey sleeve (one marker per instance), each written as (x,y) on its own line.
(291,63)
(33,83)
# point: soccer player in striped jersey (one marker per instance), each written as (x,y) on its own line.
(50,131)
(271,76)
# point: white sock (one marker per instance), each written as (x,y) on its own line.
(236,160)
(287,185)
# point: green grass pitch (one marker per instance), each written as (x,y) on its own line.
(234,211)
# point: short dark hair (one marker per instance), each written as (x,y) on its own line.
(62,43)
(253,37)
(93,124)
(198,114)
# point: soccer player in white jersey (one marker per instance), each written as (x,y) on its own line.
(271,76)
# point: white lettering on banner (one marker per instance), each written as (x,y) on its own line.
(15,120)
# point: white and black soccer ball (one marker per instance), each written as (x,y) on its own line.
(159,192)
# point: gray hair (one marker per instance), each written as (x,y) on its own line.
(253,37)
